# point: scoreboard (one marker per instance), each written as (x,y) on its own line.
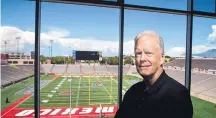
(87,55)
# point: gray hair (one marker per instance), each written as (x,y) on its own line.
(152,33)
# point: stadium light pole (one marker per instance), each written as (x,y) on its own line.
(51,41)
(69,50)
(48,51)
(5,42)
(17,38)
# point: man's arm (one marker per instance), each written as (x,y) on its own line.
(182,105)
(120,112)
(186,104)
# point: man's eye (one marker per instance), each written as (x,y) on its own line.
(138,53)
(148,53)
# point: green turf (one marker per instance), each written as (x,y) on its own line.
(12,89)
(203,109)
(85,95)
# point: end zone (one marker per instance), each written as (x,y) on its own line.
(12,106)
(87,111)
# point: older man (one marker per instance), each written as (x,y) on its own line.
(158,95)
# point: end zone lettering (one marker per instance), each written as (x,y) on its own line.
(48,112)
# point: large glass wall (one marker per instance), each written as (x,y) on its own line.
(67,29)
(70,85)
(205,5)
(17,57)
(203,77)
(170,27)
(169,4)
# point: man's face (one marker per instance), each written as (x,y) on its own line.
(148,55)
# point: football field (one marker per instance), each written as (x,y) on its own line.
(77,93)
(92,96)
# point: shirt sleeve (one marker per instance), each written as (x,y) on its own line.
(121,112)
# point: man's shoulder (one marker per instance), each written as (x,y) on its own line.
(135,87)
(175,86)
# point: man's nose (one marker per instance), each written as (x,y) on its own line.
(143,57)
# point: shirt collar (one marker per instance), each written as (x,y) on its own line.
(156,85)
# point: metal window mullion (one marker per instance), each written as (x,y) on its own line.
(37,60)
(189,45)
(215,6)
(120,67)
(117,4)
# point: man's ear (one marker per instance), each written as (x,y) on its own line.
(162,59)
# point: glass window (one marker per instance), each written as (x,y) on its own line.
(170,27)
(17,81)
(205,5)
(203,77)
(170,4)
(67,31)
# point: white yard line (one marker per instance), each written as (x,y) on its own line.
(15,106)
(107,91)
(77,98)
(124,88)
(127,82)
(204,80)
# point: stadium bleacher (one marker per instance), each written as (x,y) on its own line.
(11,75)
(47,67)
(59,68)
(30,68)
(101,69)
(196,63)
(86,68)
(201,82)
(73,68)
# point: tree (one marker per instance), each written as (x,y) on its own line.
(128,60)
(53,60)
(171,59)
(115,60)
(167,57)
(103,61)
(42,59)
(70,60)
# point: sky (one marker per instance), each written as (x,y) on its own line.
(78,27)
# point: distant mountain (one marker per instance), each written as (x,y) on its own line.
(208,54)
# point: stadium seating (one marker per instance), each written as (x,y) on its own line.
(86,68)
(12,74)
(59,68)
(132,70)
(101,69)
(196,63)
(201,83)
(177,62)
(73,68)
(30,68)
(47,67)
